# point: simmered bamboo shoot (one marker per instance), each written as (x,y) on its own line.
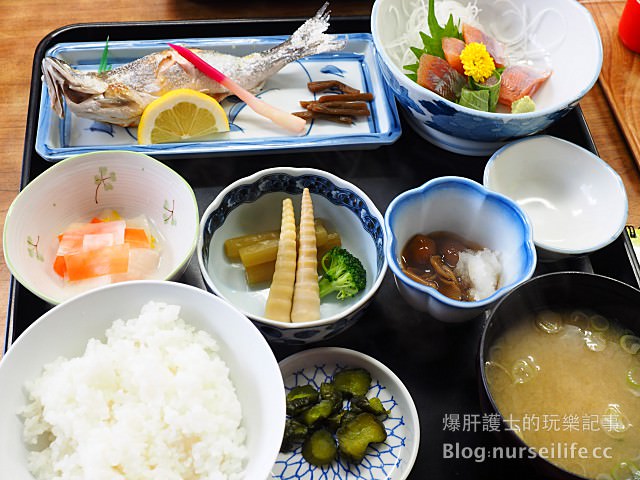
(306,296)
(279,302)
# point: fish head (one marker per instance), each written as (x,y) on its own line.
(89,95)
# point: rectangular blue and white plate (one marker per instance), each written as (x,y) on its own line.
(249,133)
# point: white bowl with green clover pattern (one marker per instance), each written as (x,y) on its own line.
(79,188)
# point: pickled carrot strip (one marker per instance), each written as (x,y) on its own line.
(95,263)
(136,238)
(59,266)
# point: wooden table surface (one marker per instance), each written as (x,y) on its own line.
(24,23)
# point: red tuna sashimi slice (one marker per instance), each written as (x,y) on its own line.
(452,49)
(519,81)
(438,76)
(495,49)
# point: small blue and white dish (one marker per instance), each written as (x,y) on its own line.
(576,202)
(463,207)
(254,204)
(391,460)
(547,34)
(356,66)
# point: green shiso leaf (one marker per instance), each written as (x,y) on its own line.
(433,43)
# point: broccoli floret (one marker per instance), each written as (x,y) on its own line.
(343,273)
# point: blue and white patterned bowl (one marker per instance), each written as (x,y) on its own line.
(254,204)
(391,460)
(466,208)
(559,34)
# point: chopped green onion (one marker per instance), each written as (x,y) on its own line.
(633,380)
(496,375)
(630,344)
(614,422)
(599,323)
(595,342)
(549,322)
(476,99)
(524,370)
(604,476)
(579,319)
(625,471)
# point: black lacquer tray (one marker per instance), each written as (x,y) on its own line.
(436,361)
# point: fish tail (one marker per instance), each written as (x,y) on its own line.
(63,81)
(309,39)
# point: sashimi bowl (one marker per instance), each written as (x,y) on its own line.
(144,379)
(455,247)
(253,205)
(556,37)
(100,218)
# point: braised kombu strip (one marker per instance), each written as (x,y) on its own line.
(347,97)
(322,85)
(308,115)
(358,110)
(353,105)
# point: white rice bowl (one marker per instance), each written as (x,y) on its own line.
(154,400)
(150,398)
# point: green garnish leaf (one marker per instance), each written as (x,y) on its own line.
(492,85)
(433,43)
(104,65)
(412,76)
(412,67)
(476,99)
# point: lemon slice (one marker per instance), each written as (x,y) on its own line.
(181,115)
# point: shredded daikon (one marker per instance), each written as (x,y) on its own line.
(515,28)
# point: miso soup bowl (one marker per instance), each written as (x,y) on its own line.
(79,188)
(562,290)
(463,207)
(254,204)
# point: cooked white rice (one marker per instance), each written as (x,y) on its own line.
(153,402)
(481,270)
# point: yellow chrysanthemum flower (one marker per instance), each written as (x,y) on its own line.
(477,62)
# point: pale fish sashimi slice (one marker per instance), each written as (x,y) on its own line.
(452,48)
(519,81)
(143,265)
(435,74)
(306,294)
(472,34)
(94,241)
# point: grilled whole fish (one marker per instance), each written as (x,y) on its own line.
(120,95)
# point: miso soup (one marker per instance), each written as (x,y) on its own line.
(568,383)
